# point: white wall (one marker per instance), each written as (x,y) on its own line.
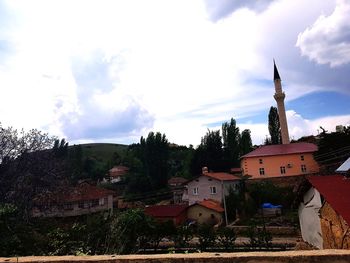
(310,224)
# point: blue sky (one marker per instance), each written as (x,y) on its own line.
(111,71)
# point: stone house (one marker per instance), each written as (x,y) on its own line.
(280,160)
(324,212)
(210,186)
(206,212)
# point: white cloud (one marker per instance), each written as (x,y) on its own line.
(87,68)
(327,41)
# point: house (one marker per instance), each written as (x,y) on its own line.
(177,187)
(207,211)
(116,174)
(324,212)
(210,185)
(74,201)
(175,213)
(280,160)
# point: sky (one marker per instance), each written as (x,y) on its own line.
(112,71)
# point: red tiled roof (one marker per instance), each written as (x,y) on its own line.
(177,180)
(165,210)
(117,171)
(86,192)
(336,190)
(211,204)
(222,176)
(282,149)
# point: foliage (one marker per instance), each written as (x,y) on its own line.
(259,237)
(267,192)
(226,238)
(209,153)
(180,160)
(154,156)
(231,143)
(206,236)
(221,153)
(246,144)
(274,126)
(126,231)
(184,233)
(28,167)
(333,148)
(63,242)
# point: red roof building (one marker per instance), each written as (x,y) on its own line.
(207,211)
(280,160)
(210,185)
(174,213)
(73,201)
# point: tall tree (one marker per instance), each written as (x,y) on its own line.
(246,144)
(209,153)
(155,156)
(231,139)
(274,126)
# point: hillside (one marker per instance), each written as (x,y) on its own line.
(102,151)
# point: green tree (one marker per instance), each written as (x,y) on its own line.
(226,238)
(209,153)
(155,156)
(274,126)
(246,144)
(231,143)
(127,230)
(206,236)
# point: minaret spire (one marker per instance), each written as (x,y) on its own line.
(276,75)
(279,97)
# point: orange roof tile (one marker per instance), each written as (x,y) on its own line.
(222,176)
(86,192)
(211,204)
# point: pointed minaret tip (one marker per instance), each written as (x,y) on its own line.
(276,75)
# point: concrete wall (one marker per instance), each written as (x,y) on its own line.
(272,164)
(310,225)
(319,256)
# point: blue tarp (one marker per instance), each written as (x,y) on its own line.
(269,205)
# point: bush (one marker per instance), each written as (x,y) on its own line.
(226,238)
(206,236)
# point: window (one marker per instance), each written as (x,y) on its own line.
(212,190)
(102,201)
(81,204)
(302,157)
(260,161)
(261,171)
(68,206)
(303,168)
(95,202)
(283,169)
(195,191)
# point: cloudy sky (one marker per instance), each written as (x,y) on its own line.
(111,71)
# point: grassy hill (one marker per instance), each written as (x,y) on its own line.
(103,151)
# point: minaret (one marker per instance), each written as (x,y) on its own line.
(279,97)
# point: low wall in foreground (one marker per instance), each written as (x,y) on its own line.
(319,256)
